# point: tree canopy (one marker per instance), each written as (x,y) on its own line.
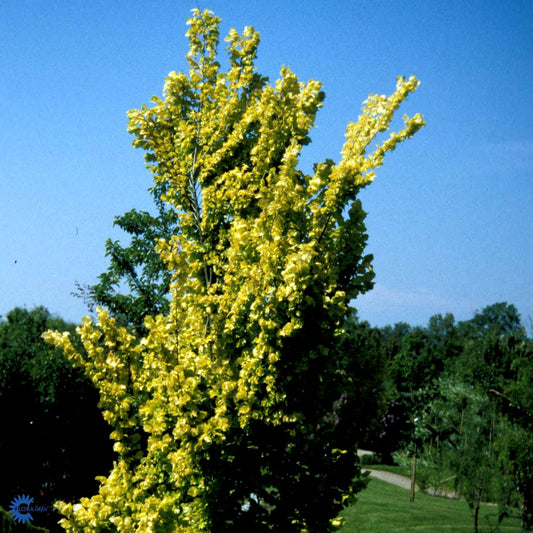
(228,415)
(137,282)
(52,430)
(465,390)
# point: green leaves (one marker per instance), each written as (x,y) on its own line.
(137,282)
(467,388)
(54,431)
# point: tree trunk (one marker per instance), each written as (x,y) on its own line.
(476,509)
(413,479)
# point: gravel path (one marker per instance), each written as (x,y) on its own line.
(405,482)
(390,477)
(401,481)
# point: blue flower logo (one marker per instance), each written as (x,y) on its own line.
(20,509)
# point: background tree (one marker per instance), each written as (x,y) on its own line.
(491,341)
(497,320)
(218,410)
(518,406)
(412,367)
(510,385)
(417,358)
(363,358)
(53,432)
(482,377)
(137,282)
(460,430)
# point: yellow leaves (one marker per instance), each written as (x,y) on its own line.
(242,394)
(273,357)
(57,338)
(260,250)
(338,522)
(111,360)
(315,184)
(193,492)
(290,328)
(338,451)
(244,409)
(338,297)
(116,435)
(119,447)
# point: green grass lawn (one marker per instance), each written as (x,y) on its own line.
(385,508)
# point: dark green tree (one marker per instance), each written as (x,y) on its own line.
(497,320)
(461,430)
(137,282)
(363,358)
(424,353)
(415,368)
(53,430)
(514,394)
(485,382)
(410,367)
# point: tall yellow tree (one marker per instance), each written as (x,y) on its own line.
(229,414)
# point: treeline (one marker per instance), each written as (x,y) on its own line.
(459,397)
(458,394)
(54,440)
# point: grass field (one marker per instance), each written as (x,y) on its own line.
(385,508)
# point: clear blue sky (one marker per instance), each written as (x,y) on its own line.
(449,216)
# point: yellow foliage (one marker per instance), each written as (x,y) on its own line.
(259,244)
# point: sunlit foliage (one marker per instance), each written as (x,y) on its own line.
(228,414)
